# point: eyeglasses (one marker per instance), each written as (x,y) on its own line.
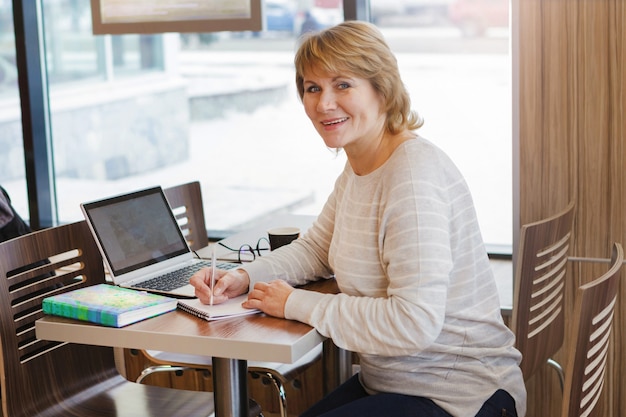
(248,253)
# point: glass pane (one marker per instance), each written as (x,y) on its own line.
(12,174)
(70,55)
(110,120)
(222,108)
(454,58)
(136,54)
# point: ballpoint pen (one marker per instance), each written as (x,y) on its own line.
(213,263)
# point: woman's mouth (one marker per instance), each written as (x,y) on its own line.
(334,121)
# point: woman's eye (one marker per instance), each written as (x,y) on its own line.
(312,89)
(343,86)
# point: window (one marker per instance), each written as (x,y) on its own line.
(132,111)
(12,175)
(455,60)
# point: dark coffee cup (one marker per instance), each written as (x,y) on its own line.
(281,236)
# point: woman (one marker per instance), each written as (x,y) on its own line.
(418,299)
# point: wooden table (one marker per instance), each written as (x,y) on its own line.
(230,342)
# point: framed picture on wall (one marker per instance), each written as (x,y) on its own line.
(117,17)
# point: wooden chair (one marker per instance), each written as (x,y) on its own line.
(42,378)
(593,316)
(186,202)
(538,319)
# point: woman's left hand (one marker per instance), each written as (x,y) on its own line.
(269,297)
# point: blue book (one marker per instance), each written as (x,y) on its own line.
(108,305)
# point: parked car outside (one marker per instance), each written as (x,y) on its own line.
(321,14)
(474,17)
(381,9)
(280,16)
(414,12)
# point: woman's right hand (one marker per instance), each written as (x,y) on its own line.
(228,284)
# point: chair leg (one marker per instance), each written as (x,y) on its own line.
(559,370)
(280,391)
(254,407)
(161,368)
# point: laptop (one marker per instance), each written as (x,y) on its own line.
(142,244)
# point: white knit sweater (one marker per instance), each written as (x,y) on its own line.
(418,298)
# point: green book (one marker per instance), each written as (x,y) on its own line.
(109,305)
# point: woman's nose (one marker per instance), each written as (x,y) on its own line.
(326,102)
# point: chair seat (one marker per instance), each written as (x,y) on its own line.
(283,371)
(287,371)
(275,374)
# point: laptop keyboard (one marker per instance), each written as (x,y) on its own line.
(178,278)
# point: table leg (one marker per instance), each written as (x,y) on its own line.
(337,364)
(230,387)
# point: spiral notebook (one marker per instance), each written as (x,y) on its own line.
(230,308)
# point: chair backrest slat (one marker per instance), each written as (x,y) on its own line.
(538,319)
(593,316)
(36,373)
(186,203)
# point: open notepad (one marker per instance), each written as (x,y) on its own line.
(230,308)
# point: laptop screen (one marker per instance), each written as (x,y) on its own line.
(136,230)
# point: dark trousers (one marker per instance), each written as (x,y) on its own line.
(351,400)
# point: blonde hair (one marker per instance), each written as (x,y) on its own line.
(359,49)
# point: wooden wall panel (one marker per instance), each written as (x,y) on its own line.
(572,102)
(546,152)
(544,111)
(617,188)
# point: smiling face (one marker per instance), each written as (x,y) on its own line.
(345,110)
